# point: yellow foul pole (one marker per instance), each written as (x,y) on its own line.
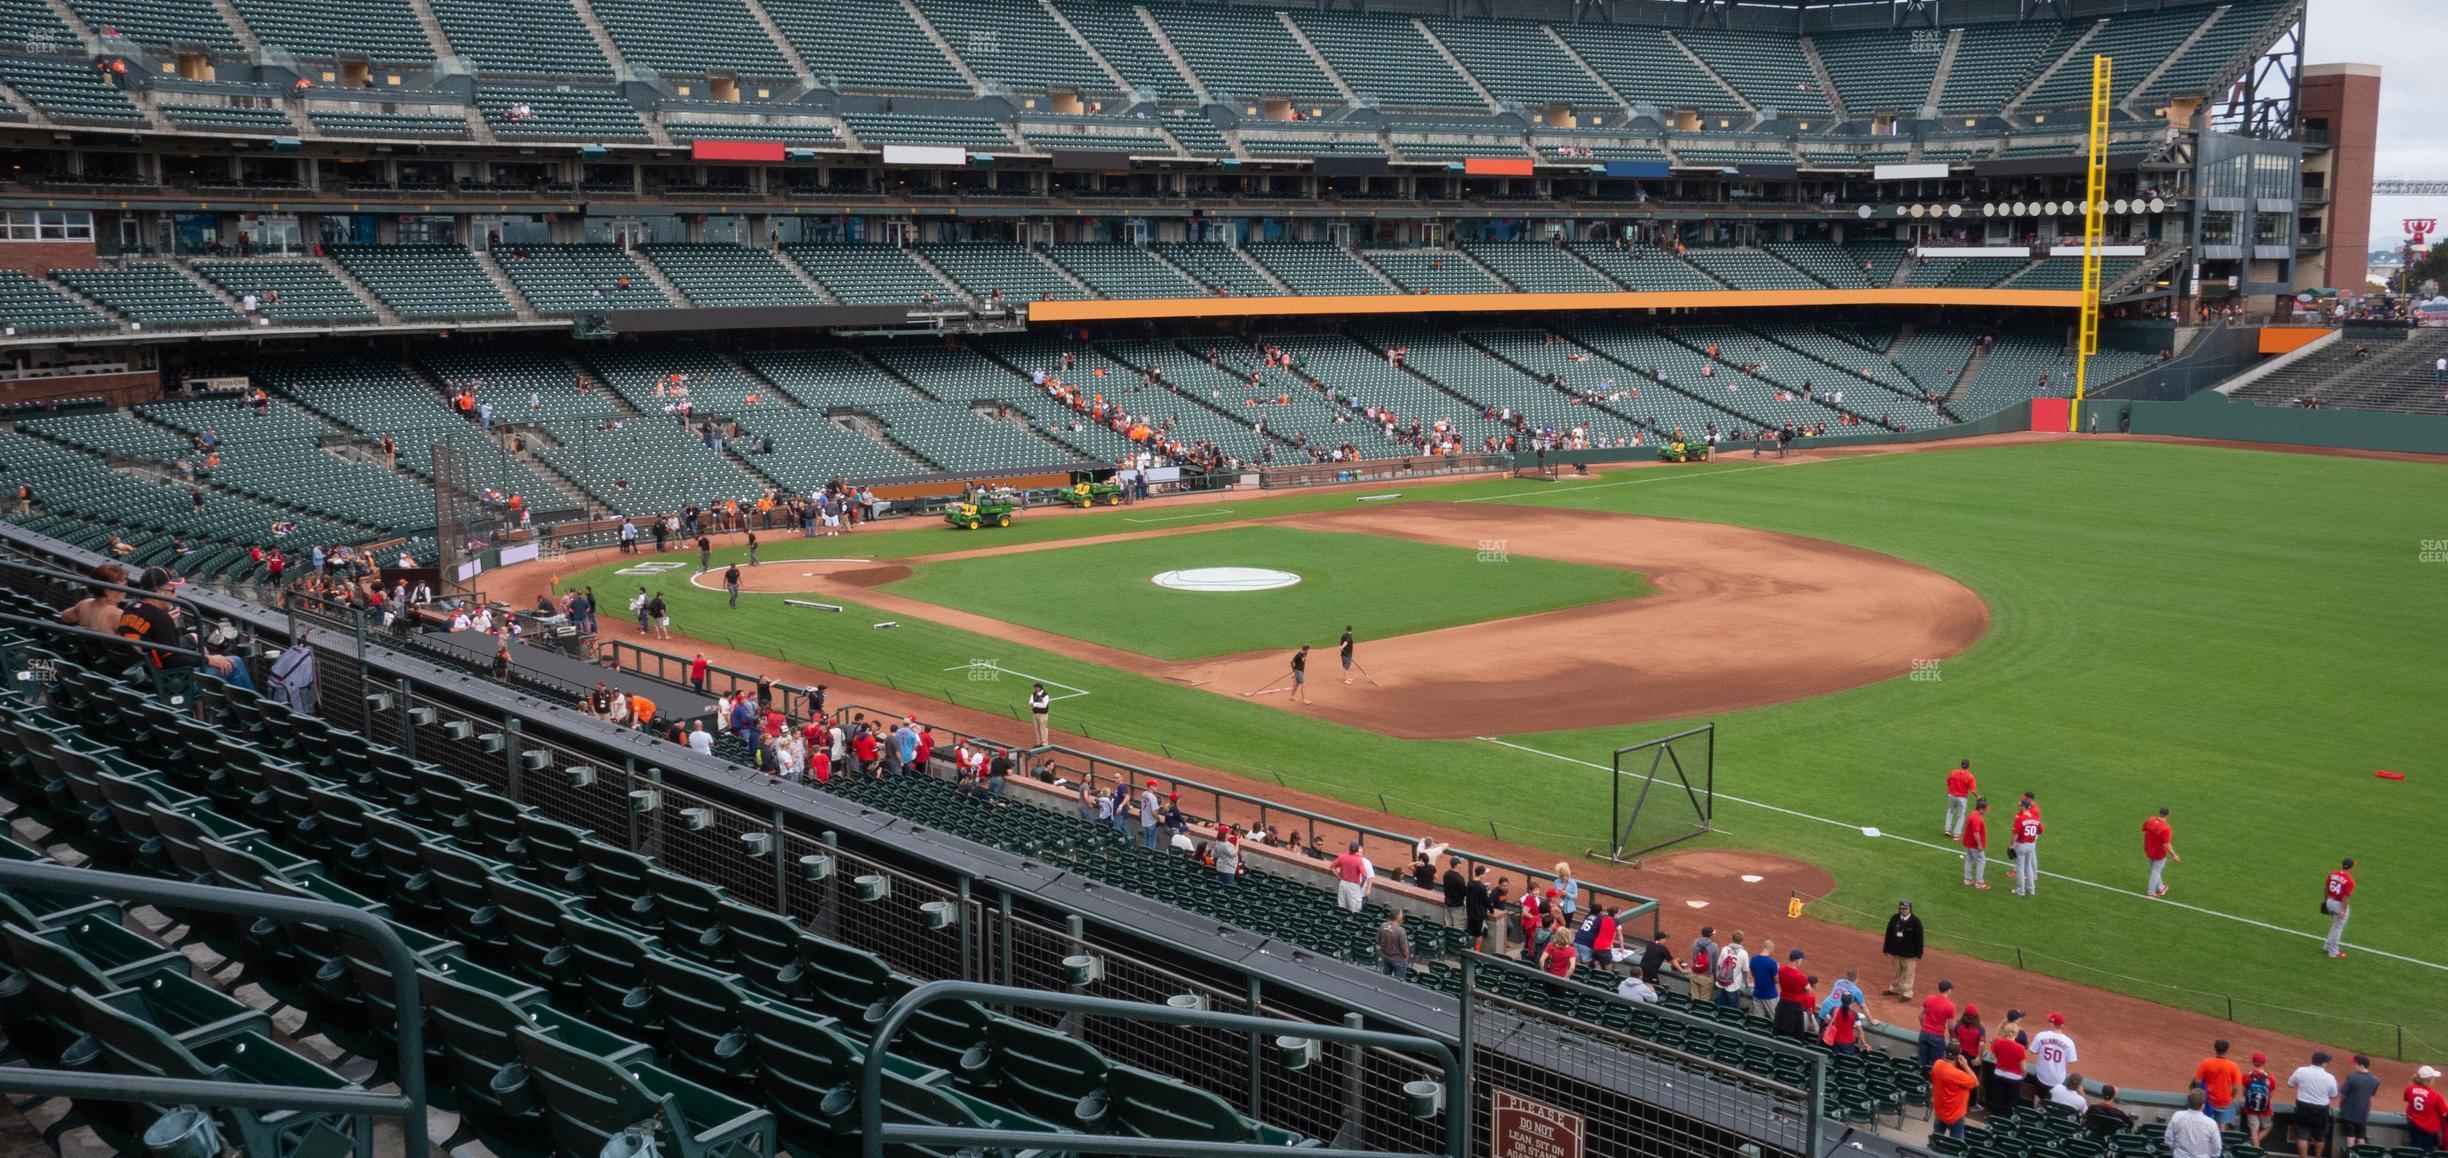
(2095,207)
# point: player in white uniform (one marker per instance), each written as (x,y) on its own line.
(2052,1053)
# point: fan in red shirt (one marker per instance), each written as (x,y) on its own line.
(2006,1077)
(2158,847)
(1559,957)
(1960,786)
(1793,995)
(2423,1110)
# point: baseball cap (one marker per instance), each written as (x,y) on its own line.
(2426,1073)
(2056,1019)
(2260,1059)
(155,578)
(1971,1010)
(1796,955)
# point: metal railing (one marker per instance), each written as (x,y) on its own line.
(875,1133)
(408,1104)
(1381,470)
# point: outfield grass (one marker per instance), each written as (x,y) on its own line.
(1103,593)
(2232,634)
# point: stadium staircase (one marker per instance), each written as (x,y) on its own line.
(1971,372)
(432,24)
(603,43)
(238,25)
(1826,82)
(1300,37)
(519,304)
(1086,47)
(2172,58)
(662,281)
(2141,276)
(1173,54)
(1455,63)
(382,312)
(1945,69)
(936,37)
(2072,53)
(1564,47)
(790,52)
(1701,63)
(75,22)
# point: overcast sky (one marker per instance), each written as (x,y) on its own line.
(2402,37)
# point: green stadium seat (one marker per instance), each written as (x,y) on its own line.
(590,1099)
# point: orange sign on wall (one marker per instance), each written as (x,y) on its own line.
(1496,166)
(1521,1128)
(2287,339)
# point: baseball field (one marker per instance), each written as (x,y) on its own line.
(2242,637)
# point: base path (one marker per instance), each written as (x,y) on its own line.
(1739,618)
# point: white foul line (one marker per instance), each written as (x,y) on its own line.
(974,666)
(1952,851)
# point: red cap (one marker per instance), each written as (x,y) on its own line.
(1971,1011)
(2260,1059)
(2056,1019)
(1151,784)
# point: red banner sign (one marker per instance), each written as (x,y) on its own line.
(1521,1128)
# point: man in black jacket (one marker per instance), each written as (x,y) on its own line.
(1903,946)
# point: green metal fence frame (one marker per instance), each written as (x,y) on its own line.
(874,1133)
(408,1105)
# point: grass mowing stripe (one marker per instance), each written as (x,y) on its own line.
(1958,852)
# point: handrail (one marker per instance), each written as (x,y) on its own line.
(408,1105)
(874,1133)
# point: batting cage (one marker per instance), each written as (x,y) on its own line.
(476,474)
(1663,792)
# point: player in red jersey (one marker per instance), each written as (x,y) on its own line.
(2158,847)
(1976,845)
(2024,833)
(2337,898)
(1959,786)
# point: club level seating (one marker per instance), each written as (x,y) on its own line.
(151,294)
(560,112)
(1436,271)
(544,38)
(1117,34)
(1046,140)
(1695,157)
(68,90)
(811,134)
(1316,269)
(1562,151)
(1016,45)
(1538,267)
(861,274)
(985,267)
(878,129)
(1963,272)
(308,292)
(1884,71)
(1389,58)
(572,279)
(382,30)
(28,306)
(1218,265)
(225,118)
(1246,54)
(1993,62)
(716,275)
(161,23)
(425,281)
(1769,71)
(1827,262)
(1302,145)
(708,36)
(1425,150)
(389,125)
(865,44)
(1647,68)
(1198,136)
(1123,271)
(1518,63)
(1642,269)
(2065,273)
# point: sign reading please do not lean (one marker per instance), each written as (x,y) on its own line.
(1521,1128)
